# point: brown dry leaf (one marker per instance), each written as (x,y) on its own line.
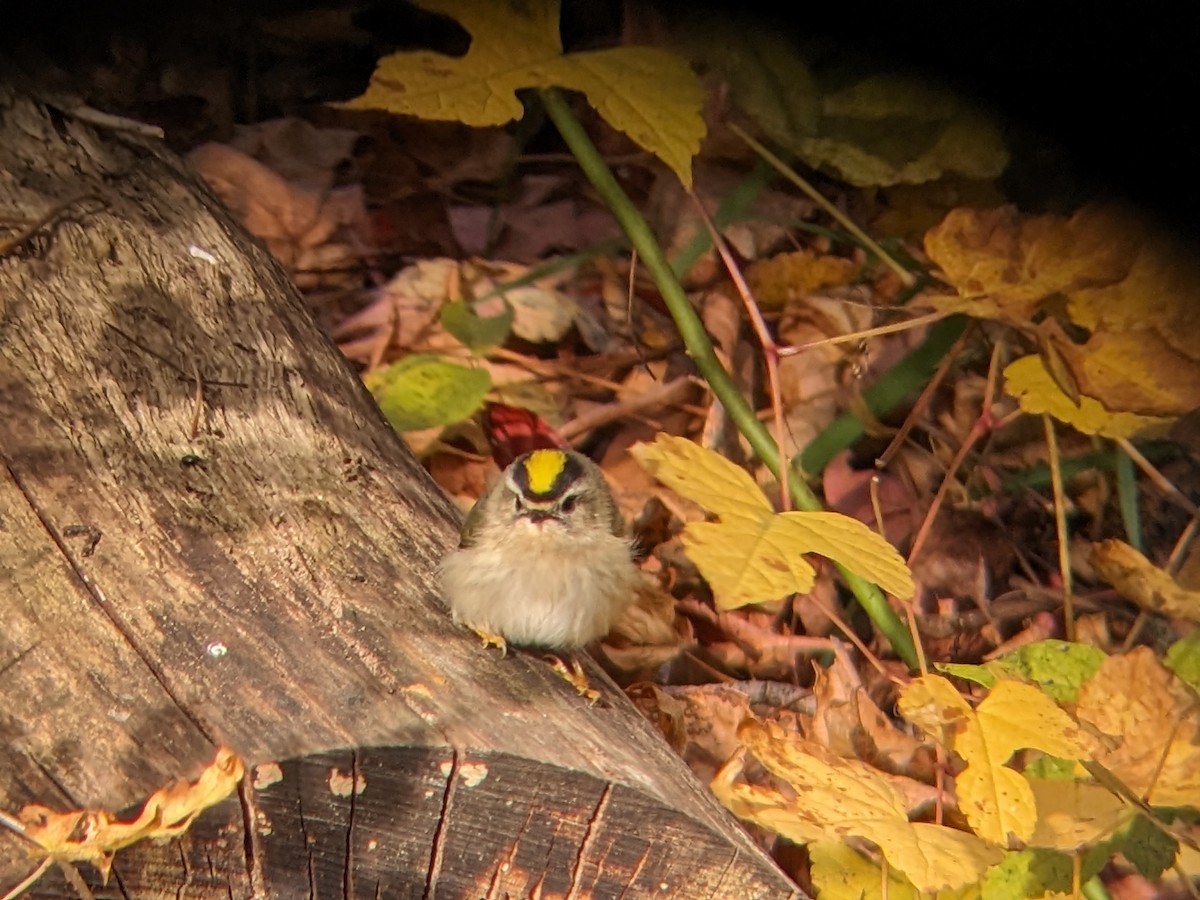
(308,230)
(809,381)
(793,276)
(1112,298)
(1020,262)
(699,721)
(1143,582)
(837,799)
(95,835)
(848,723)
(1154,718)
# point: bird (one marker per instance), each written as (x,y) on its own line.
(543,560)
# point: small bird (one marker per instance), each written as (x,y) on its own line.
(543,560)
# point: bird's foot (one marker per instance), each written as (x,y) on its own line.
(574,675)
(491,639)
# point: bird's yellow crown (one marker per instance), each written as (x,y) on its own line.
(544,469)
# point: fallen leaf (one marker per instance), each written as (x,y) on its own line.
(1141,581)
(1153,718)
(1110,299)
(996,799)
(423,391)
(1037,392)
(95,835)
(1073,814)
(837,799)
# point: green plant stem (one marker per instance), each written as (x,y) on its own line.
(700,349)
(1128,500)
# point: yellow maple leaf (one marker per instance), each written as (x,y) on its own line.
(839,798)
(1113,298)
(753,554)
(1037,392)
(649,94)
(95,835)
(1143,582)
(996,799)
(1153,719)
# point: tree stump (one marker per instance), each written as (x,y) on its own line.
(209,535)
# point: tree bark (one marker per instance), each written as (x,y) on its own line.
(209,535)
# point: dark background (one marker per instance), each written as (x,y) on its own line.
(1116,89)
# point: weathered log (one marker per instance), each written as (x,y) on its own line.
(209,535)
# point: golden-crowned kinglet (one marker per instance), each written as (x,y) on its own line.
(543,559)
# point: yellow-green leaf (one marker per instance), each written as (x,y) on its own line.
(649,94)
(423,391)
(839,872)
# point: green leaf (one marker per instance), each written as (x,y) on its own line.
(980,675)
(1146,846)
(1028,873)
(1183,658)
(423,391)
(1058,667)
(480,333)
(649,94)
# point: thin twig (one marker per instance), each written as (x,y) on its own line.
(9,244)
(982,426)
(662,394)
(29,880)
(923,399)
(1060,526)
(906,277)
(1160,480)
(906,325)
(769,347)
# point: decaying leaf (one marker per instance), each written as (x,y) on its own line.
(996,799)
(1143,582)
(1113,299)
(836,799)
(649,94)
(753,554)
(93,836)
(1154,719)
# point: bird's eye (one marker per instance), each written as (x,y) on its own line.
(568,505)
